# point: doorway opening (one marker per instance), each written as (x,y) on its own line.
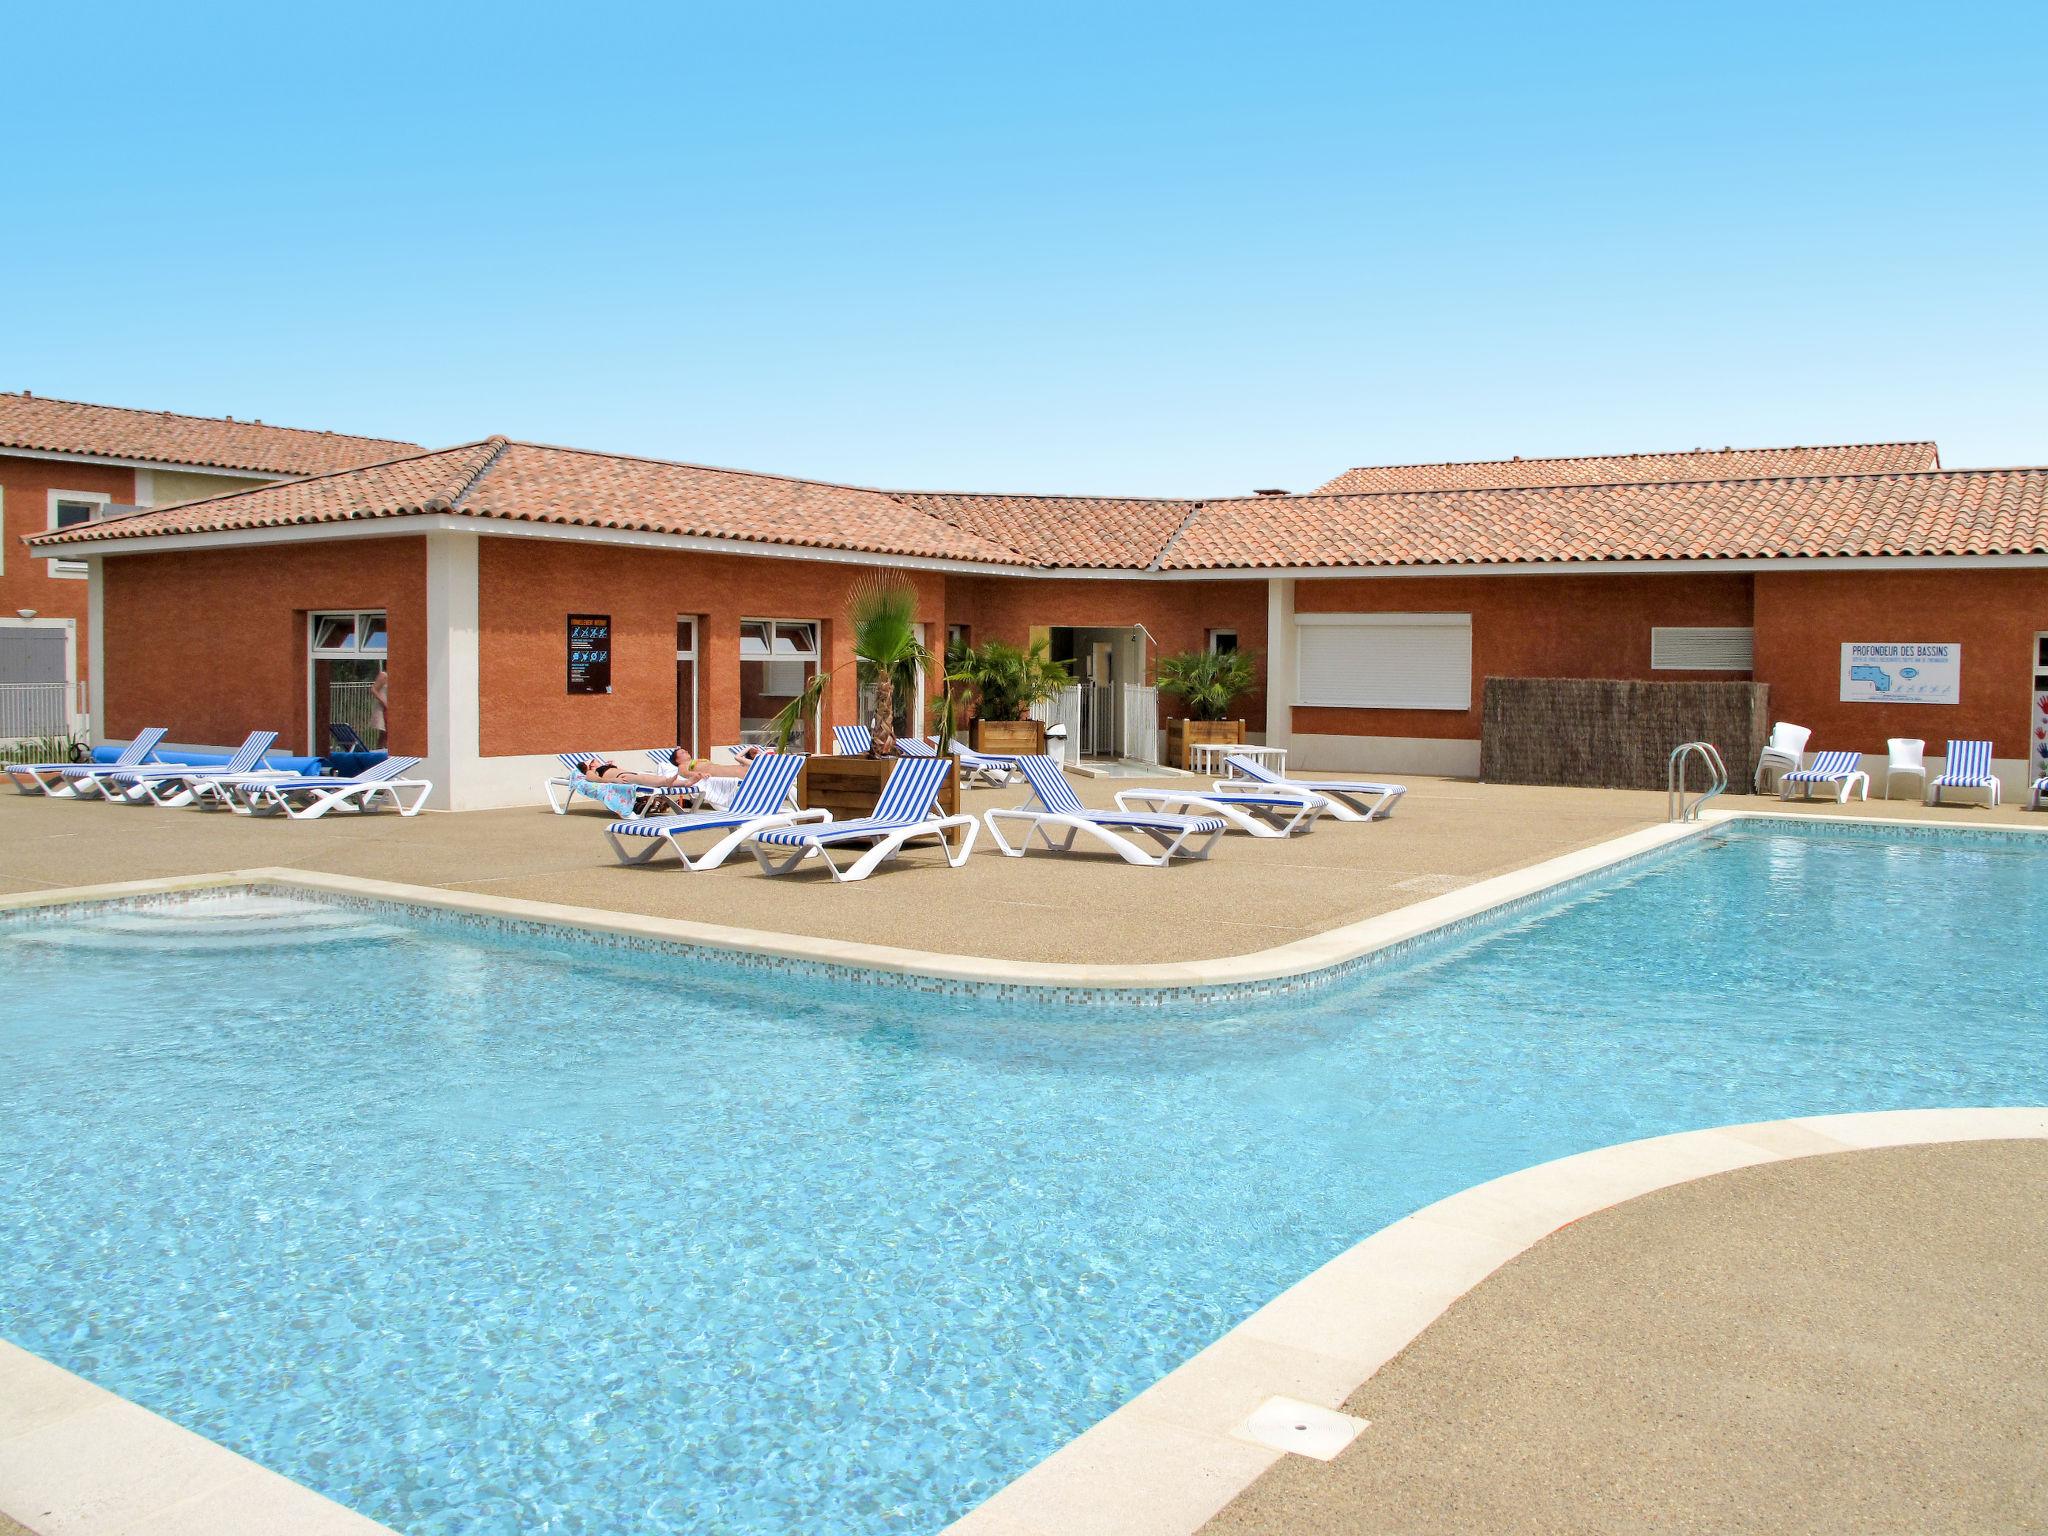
(346,681)
(1111,712)
(686,684)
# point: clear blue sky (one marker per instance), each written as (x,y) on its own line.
(1171,249)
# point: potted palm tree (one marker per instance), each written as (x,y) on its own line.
(1208,684)
(881,614)
(1007,680)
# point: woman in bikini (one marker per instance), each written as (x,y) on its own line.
(621,789)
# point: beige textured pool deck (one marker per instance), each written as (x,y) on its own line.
(1251,895)
(1850,1343)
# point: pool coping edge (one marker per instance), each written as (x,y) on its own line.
(1295,960)
(103,1465)
(1283,962)
(1169,1460)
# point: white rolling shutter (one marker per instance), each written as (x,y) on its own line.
(1385,660)
(1702,650)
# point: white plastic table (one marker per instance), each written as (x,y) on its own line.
(1208,756)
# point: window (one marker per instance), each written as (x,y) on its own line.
(906,697)
(778,659)
(1385,660)
(1222,641)
(1702,650)
(69,509)
(686,685)
(347,654)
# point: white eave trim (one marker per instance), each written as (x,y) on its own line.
(632,538)
(415,524)
(176,465)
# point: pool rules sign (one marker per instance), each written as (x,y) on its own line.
(1902,674)
(590,653)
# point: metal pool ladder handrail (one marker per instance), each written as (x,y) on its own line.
(1677,807)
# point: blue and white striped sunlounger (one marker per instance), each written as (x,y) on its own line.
(1263,810)
(1342,798)
(178,784)
(305,798)
(975,767)
(563,788)
(1054,807)
(347,738)
(66,781)
(908,809)
(852,740)
(1843,770)
(1968,767)
(766,797)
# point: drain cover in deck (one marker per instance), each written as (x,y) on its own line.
(1302,1428)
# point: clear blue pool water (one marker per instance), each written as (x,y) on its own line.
(492,1236)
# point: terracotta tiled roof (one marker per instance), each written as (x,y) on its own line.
(530,482)
(1941,512)
(1079,532)
(203,442)
(1628,468)
(1936,512)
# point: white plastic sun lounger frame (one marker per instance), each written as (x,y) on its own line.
(306,799)
(1968,766)
(561,789)
(975,767)
(1264,810)
(177,784)
(1840,771)
(70,781)
(902,815)
(1059,809)
(765,800)
(1343,799)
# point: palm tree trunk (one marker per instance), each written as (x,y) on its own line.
(885,714)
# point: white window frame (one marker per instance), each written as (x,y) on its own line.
(72,570)
(688,652)
(316,654)
(1666,641)
(1456,699)
(917,704)
(815,656)
(1217,634)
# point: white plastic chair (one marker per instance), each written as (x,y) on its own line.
(1909,755)
(1785,751)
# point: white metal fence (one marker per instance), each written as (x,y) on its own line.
(351,704)
(29,711)
(1141,722)
(1106,720)
(1064,710)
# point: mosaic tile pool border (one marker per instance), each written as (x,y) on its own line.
(1466,913)
(1873,829)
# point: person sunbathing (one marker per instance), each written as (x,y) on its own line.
(714,781)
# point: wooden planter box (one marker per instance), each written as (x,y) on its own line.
(1010,737)
(1182,734)
(848,787)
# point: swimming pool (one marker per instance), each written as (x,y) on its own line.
(482,1235)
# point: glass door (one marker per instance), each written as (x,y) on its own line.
(907,696)
(2038,738)
(686,685)
(347,682)
(778,660)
